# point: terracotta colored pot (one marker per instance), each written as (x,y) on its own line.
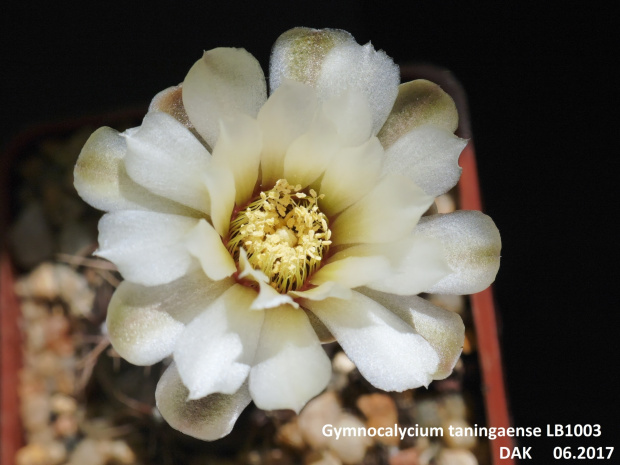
(492,379)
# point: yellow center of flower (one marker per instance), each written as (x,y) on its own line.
(284,233)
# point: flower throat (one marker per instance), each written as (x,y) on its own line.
(284,233)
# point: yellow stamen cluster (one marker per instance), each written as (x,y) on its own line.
(284,234)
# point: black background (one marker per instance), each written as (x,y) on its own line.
(544,110)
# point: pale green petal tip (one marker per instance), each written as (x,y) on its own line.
(418,102)
(209,418)
(298,54)
(141,334)
(472,246)
(96,172)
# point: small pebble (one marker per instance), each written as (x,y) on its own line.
(408,456)
(50,453)
(39,284)
(445,203)
(35,336)
(380,412)
(32,311)
(427,413)
(350,449)
(454,303)
(35,409)
(290,435)
(63,404)
(322,410)
(458,442)
(45,363)
(343,364)
(66,425)
(322,458)
(456,457)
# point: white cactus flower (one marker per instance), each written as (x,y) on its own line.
(250,229)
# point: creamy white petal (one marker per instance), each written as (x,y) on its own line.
(352,115)
(331,61)
(298,54)
(309,154)
(350,175)
(428,155)
(143,323)
(387,213)
(319,328)
(371,72)
(290,366)
(206,245)
(215,351)
(444,330)
(285,116)
(352,271)
(101,179)
(239,147)
(166,158)
(472,247)
(170,101)
(415,264)
(147,247)
(323,291)
(220,183)
(224,82)
(267,296)
(418,103)
(208,418)
(387,351)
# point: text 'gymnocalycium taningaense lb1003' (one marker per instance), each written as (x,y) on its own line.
(250,227)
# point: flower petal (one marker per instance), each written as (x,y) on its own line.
(290,366)
(170,101)
(323,291)
(239,147)
(144,322)
(418,103)
(472,247)
(285,116)
(224,82)
(351,174)
(387,213)
(331,61)
(309,154)
(415,264)
(220,183)
(206,245)
(428,155)
(387,351)
(298,54)
(101,179)
(319,328)
(444,330)
(147,247)
(214,352)
(352,115)
(267,296)
(166,158)
(350,272)
(208,418)
(361,67)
